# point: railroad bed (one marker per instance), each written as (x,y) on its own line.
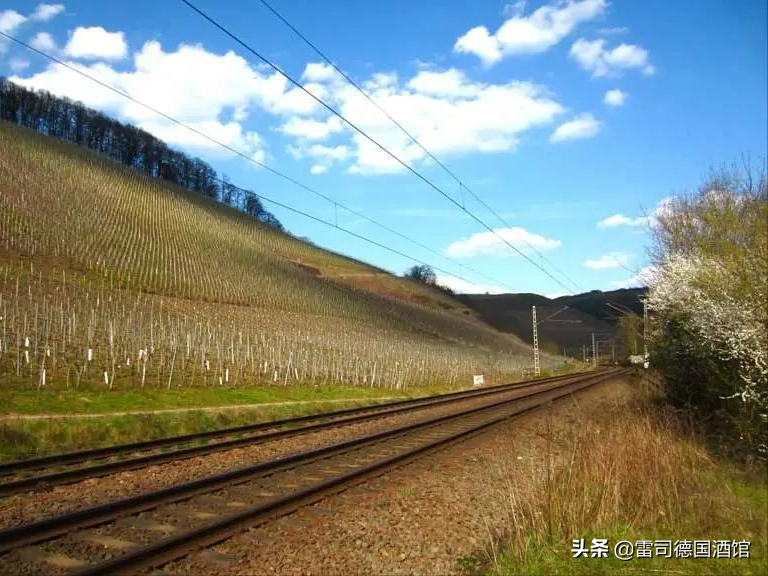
(153,528)
(24,475)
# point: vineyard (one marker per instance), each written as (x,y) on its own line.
(111,278)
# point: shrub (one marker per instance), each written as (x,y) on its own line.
(709,305)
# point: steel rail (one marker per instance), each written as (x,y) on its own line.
(52,527)
(7,468)
(180,545)
(357,415)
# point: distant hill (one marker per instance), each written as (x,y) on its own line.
(598,304)
(570,329)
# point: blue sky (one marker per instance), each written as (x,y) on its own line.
(574,120)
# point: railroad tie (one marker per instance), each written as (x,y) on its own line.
(106,541)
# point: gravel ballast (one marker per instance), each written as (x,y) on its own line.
(45,502)
(429,517)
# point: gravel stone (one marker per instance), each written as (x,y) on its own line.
(46,502)
(423,518)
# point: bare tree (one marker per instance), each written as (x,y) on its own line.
(422,273)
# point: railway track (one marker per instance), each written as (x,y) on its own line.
(150,529)
(24,475)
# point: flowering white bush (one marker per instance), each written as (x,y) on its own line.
(694,290)
(709,302)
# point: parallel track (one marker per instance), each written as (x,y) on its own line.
(75,466)
(123,536)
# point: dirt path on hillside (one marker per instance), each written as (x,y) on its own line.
(11,417)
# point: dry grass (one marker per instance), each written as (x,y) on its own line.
(629,471)
(634,473)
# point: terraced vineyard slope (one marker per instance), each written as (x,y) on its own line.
(109,276)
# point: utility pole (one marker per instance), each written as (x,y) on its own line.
(536,370)
(584,353)
(536,365)
(594,351)
(613,353)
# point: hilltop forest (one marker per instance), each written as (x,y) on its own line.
(130,146)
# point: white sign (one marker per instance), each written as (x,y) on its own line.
(477,379)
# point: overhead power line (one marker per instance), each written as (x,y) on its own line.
(269,169)
(413,138)
(337,227)
(368,137)
(563,309)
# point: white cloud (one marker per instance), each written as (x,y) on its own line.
(607,261)
(18,64)
(621,220)
(515,9)
(322,156)
(229,133)
(451,83)
(449,113)
(615,31)
(292,100)
(319,72)
(380,80)
(446,112)
(662,207)
(44,42)
(334,153)
(222,84)
(583,126)
(311,129)
(462,286)
(615,97)
(9,21)
(531,34)
(643,278)
(480,42)
(491,243)
(95,43)
(45,12)
(594,57)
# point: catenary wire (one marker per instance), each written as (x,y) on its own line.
(266,167)
(402,128)
(362,132)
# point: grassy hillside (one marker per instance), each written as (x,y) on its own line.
(109,276)
(571,329)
